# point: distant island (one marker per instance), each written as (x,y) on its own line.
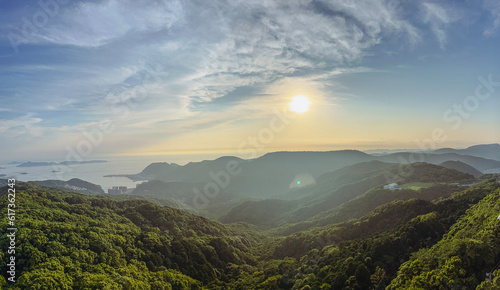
(36,164)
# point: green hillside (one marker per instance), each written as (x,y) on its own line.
(366,253)
(329,194)
(66,240)
(70,241)
(463,167)
(75,184)
(159,200)
(462,258)
(183,196)
(367,202)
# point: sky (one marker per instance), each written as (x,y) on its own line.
(84,79)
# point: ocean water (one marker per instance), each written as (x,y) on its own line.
(95,172)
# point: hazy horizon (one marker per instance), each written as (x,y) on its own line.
(183,158)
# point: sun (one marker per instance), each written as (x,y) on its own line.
(299,104)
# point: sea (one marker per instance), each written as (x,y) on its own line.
(95,172)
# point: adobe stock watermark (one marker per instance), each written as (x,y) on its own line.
(121,111)
(250,146)
(454,116)
(31,26)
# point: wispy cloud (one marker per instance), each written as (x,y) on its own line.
(93,24)
(214,60)
(493,7)
(224,46)
(22,125)
(439,18)
(264,41)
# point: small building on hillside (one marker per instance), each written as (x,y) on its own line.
(392,186)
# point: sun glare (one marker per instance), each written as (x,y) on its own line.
(299,104)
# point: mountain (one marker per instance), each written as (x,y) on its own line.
(367,202)
(246,185)
(335,179)
(313,163)
(490,176)
(75,184)
(328,195)
(463,167)
(469,250)
(75,241)
(487,151)
(481,164)
(192,172)
(158,200)
(187,194)
(402,174)
(155,196)
(275,174)
(264,213)
(154,171)
(180,191)
(366,253)
(3,182)
(265,176)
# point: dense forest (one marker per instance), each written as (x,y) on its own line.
(437,236)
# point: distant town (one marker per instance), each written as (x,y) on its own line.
(117,190)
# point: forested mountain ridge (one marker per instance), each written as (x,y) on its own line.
(367,202)
(74,184)
(489,151)
(328,191)
(328,194)
(469,250)
(71,241)
(66,240)
(271,174)
(463,167)
(364,253)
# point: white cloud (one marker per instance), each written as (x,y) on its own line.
(220,45)
(264,41)
(206,49)
(20,126)
(493,7)
(439,18)
(92,24)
